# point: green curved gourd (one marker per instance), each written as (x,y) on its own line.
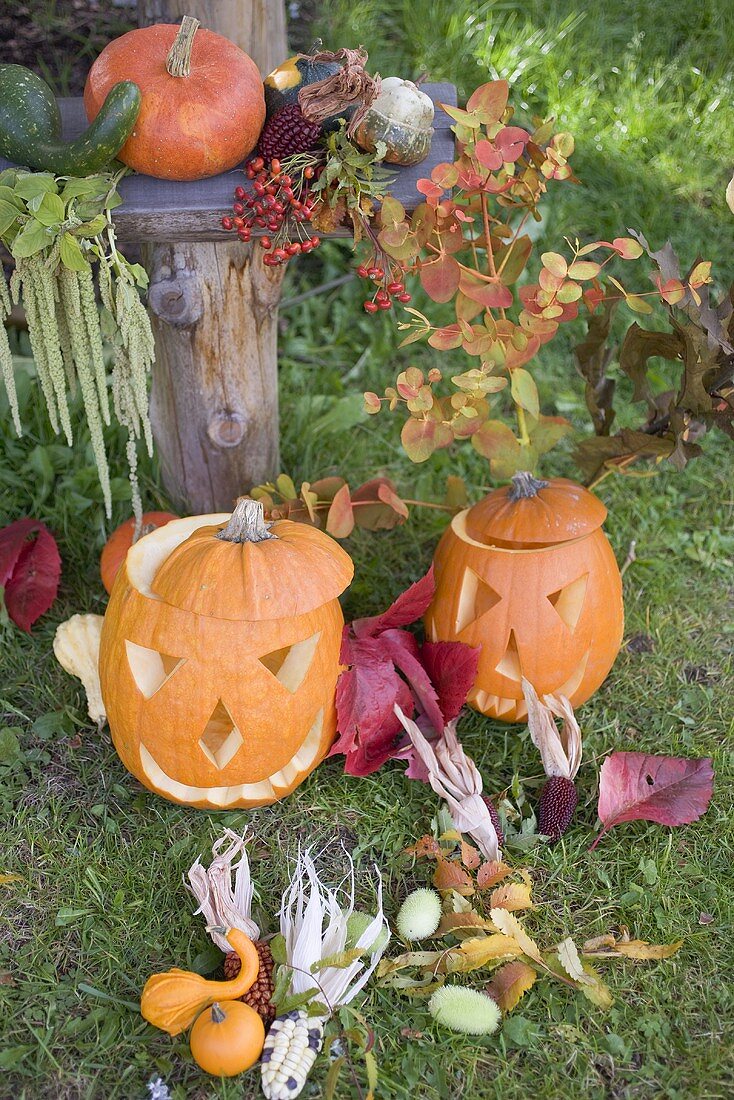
(30,125)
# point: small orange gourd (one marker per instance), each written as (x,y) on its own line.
(173,1000)
(227,1038)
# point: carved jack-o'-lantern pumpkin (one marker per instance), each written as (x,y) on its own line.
(529,575)
(220,654)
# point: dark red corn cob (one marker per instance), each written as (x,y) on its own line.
(286,133)
(259,994)
(495,818)
(556,807)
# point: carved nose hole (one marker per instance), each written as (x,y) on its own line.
(221,739)
(569,601)
(150,669)
(510,666)
(475,599)
(290,664)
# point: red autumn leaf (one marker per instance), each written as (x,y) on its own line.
(669,790)
(409,606)
(404,650)
(510,983)
(452,669)
(446,338)
(511,143)
(365,699)
(30,569)
(440,278)
(488,156)
(432,192)
(490,99)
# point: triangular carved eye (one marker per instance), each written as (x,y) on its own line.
(510,666)
(290,664)
(569,601)
(476,598)
(221,739)
(150,669)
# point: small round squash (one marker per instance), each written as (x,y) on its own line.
(402,117)
(227,1038)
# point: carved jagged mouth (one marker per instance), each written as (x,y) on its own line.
(266,790)
(515,710)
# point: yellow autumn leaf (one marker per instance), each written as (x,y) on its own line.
(510,926)
(510,983)
(595,991)
(512,896)
(8,880)
(606,947)
(479,951)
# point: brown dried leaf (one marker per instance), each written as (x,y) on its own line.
(492,872)
(425,848)
(455,922)
(510,983)
(450,875)
(470,856)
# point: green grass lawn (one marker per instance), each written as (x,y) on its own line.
(99,904)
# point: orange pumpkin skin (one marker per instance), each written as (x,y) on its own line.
(221,712)
(549,609)
(189,127)
(120,541)
(227,1038)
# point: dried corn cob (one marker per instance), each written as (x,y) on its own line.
(290,1050)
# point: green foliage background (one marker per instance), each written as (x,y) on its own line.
(646,87)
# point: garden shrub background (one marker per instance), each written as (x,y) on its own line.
(646,87)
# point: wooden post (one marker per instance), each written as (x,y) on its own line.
(214,311)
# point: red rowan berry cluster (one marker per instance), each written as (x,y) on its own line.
(281,202)
(388,284)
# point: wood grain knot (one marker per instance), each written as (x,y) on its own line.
(226,429)
(177,300)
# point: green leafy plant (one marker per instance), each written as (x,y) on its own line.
(468,245)
(56,229)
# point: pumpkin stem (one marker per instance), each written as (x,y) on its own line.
(178,61)
(247,523)
(524,486)
(350,86)
(218,1017)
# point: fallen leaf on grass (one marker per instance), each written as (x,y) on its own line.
(513,896)
(634,786)
(30,568)
(8,880)
(477,952)
(510,926)
(457,922)
(492,872)
(450,875)
(608,947)
(568,957)
(510,983)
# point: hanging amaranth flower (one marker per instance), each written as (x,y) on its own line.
(454,777)
(325,958)
(561,756)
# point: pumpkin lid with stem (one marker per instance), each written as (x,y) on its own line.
(531,513)
(248,569)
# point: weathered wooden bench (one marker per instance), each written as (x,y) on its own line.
(213,304)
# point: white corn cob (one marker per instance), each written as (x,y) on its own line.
(290,1050)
